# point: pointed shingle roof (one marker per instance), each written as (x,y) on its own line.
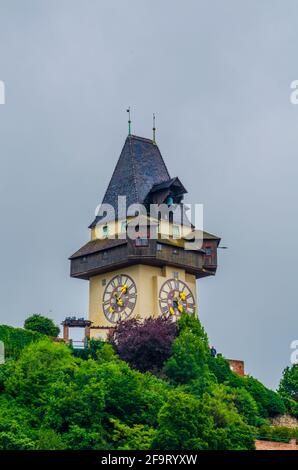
(139,167)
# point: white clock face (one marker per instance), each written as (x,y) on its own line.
(119,298)
(175,297)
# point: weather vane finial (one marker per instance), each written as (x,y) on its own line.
(154,129)
(129,121)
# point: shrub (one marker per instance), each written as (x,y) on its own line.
(97,350)
(146,345)
(269,402)
(16,339)
(220,367)
(277,433)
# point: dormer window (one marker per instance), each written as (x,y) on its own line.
(169,201)
(176,231)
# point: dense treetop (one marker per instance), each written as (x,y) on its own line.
(42,325)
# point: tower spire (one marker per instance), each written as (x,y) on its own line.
(129,122)
(154,129)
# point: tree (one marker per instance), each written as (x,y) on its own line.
(288,389)
(138,436)
(220,367)
(182,424)
(245,404)
(16,426)
(289,383)
(144,345)
(97,349)
(186,423)
(233,412)
(269,402)
(76,400)
(190,352)
(42,325)
(130,396)
(39,365)
(48,439)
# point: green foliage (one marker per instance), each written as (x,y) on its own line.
(182,424)
(288,387)
(290,404)
(73,401)
(220,367)
(190,352)
(48,439)
(81,438)
(188,423)
(245,404)
(229,429)
(277,433)
(16,425)
(54,398)
(42,325)
(76,402)
(269,402)
(16,339)
(137,436)
(13,438)
(28,379)
(131,396)
(97,350)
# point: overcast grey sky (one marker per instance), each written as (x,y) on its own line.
(217,74)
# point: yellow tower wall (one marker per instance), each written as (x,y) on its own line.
(148,280)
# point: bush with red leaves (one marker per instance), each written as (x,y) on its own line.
(145,345)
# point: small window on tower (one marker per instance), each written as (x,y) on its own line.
(141,242)
(105,231)
(123,226)
(176,231)
(208,251)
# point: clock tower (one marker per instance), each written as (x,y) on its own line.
(141,262)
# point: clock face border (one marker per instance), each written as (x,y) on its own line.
(169,298)
(112,294)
